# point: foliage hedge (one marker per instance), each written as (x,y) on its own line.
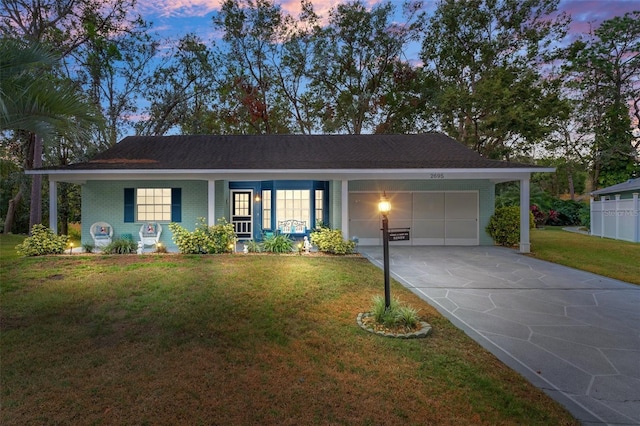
(566,212)
(42,242)
(504,225)
(219,238)
(331,241)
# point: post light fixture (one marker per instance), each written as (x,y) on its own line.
(70,248)
(384,206)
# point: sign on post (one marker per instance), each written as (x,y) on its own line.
(399,234)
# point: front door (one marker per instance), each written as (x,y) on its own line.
(241,214)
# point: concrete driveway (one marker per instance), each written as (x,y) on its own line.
(573,334)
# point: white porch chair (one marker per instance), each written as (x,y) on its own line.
(150,233)
(102,234)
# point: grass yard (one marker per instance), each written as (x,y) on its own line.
(604,256)
(233,339)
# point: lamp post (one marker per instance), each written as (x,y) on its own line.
(384,207)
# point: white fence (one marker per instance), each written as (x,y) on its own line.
(619,219)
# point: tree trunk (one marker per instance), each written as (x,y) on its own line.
(572,191)
(63,209)
(35,215)
(11,211)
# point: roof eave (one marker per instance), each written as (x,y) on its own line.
(494,174)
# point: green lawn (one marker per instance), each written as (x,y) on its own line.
(234,339)
(7,246)
(611,258)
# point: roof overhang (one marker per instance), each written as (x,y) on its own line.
(496,175)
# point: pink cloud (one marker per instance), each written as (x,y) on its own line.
(177,8)
(592,12)
(199,8)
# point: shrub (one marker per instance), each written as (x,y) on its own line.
(188,242)
(221,238)
(42,242)
(88,247)
(331,241)
(570,212)
(397,315)
(585,217)
(539,216)
(504,226)
(253,247)
(277,243)
(121,246)
(74,234)
(204,239)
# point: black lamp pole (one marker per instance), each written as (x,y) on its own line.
(385,245)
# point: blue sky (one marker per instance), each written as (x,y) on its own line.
(175,18)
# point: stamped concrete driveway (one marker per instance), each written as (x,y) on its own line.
(571,333)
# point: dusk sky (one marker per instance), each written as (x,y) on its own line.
(174,18)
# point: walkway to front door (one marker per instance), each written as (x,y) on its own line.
(571,333)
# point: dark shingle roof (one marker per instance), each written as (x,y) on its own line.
(269,152)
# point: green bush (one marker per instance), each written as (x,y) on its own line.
(88,247)
(277,243)
(121,246)
(570,213)
(396,315)
(331,241)
(504,226)
(253,247)
(42,242)
(204,239)
(585,217)
(74,234)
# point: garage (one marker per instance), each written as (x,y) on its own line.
(447,218)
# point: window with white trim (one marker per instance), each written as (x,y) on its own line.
(266,209)
(153,204)
(293,204)
(319,206)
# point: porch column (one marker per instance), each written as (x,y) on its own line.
(344,209)
(211,202)
(525,245)
(53,206)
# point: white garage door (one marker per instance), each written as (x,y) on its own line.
(434,218)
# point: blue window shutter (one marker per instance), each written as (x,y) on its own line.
(176,204)
(129,204)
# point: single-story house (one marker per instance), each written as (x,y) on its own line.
(440,190)
(615,211)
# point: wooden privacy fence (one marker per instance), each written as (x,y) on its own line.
(617,218)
